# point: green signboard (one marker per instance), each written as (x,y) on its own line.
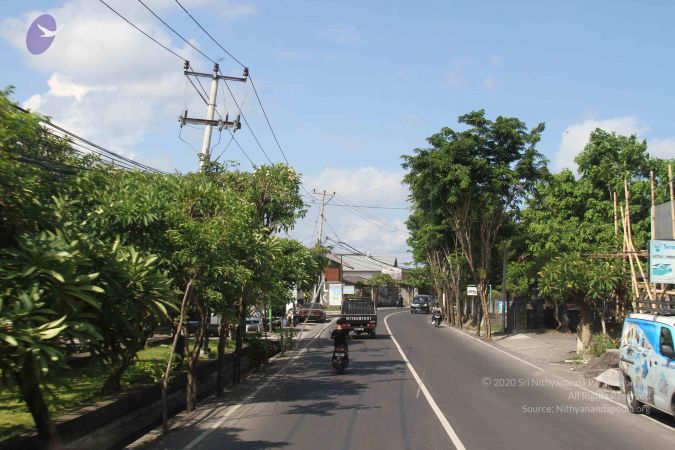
(662,261)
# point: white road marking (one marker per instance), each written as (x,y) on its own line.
(439,414)
(597,394)
(252,395)
(498,349)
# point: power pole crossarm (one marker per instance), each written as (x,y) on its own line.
(209,122)
(323,204)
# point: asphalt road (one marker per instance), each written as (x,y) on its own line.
(464,393)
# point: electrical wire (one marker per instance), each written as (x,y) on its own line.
(241,148)
(268,120)
(225,149)
(368,206)
(246,122)
(144,33)
(209,35)
(175,32)
(283,154)
(95,148)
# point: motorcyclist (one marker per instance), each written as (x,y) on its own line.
(434,311)
(340,336)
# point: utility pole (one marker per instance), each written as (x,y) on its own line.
(323,204)
(209,122)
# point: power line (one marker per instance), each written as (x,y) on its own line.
(175,32)
(352,248)
(368,216)
(268,120)
(269,124)
(370,206)
(98,148)
(144,33)
(247,124)
(241,148)
(209,35)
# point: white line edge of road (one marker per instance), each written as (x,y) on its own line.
(439,414)
(252,395)
(597,394)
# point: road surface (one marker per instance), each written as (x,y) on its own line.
(462,394)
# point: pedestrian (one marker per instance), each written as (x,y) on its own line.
(400,301)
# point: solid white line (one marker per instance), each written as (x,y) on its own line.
(498,349)
(252,395)
(597,394)
(439,414)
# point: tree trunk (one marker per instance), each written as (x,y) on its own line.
(485,309)
(113,382)
(167,372)
(241,325)
(222,342)
(557,319)
(32,395)
(193,359)
(584,331)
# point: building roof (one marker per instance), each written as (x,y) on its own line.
(354,279)
(363,263)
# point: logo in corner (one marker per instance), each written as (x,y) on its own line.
(41,34)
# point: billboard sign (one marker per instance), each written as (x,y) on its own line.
(335,294)
(662,261)
(348,289)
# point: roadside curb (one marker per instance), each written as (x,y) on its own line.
(183,418)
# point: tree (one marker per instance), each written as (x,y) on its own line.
(573,278)
(47,296)
(478,178)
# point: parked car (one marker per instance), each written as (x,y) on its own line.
(420,303)
(312,312)
(254,325)
(647,362)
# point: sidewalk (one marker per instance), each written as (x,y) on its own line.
(550,348)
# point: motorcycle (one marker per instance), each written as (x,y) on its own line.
(436,319)
(340,359)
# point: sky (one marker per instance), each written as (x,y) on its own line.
(348,86)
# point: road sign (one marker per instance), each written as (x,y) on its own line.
(471,290)
(662,261)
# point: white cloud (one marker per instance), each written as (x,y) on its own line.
(106,81)
(379,231)
(365,185)
(576,136)
(661,148)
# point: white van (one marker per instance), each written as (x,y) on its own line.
(648,362)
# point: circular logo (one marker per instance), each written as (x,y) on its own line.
(41,34)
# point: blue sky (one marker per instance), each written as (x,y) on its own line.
(352,85)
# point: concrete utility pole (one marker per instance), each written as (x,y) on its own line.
(323,204)
(209,122)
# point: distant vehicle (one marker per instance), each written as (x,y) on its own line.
(420,303)
(437,317)
(254,325)
(359,313)
(312,312)
(647,362)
